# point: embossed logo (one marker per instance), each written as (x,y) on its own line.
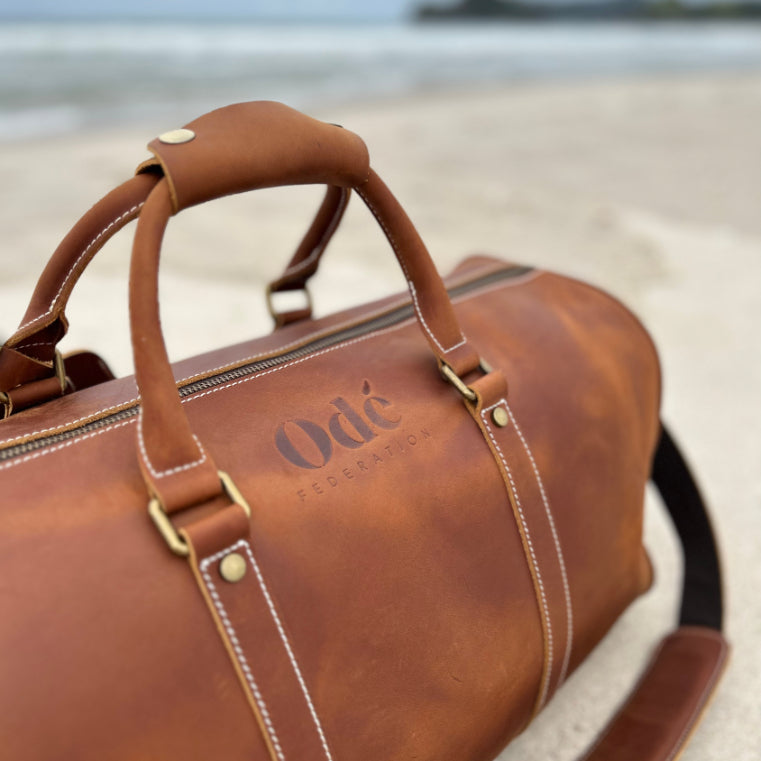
(309,445)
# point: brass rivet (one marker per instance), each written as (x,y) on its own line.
(500,417)
(232,568)
(177,136)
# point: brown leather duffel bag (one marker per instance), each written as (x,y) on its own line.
(390,533)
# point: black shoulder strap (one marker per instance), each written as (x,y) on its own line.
(701,587)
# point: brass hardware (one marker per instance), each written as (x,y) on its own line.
(274,314)
(177,136)
(60,371)
(7,403)
(500,417)
(161,520)
(232,567)
(451,376)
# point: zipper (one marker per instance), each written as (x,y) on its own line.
(393,317)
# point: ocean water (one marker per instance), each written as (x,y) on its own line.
(65,76)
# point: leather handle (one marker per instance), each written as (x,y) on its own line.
(28,355)
(255,145)
(176,467)
(235,149)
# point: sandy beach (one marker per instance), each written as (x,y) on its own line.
(650,188)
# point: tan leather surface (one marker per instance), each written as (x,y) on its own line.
(661,713)
(404,603)
(392,606)
(534,520)
(177,468)
(44,323)
(257,145)
(85,369)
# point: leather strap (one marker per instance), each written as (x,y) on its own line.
(27,356)
(235,149)
(306,260)
(536,525)
(658,718)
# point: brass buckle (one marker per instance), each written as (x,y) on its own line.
(452,377)
(59,368)
(60,371)
(162,522)
(7,403)
(274,314)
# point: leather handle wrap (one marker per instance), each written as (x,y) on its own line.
(257,145)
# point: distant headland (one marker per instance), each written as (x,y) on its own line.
(612,10)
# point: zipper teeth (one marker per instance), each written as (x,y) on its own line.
(377,323)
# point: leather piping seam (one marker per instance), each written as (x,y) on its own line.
(411,285)
(276,619)
(534,274)
(239,650)
(558,550)
(527,535)
(74,266)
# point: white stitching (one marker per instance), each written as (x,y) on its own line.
(400,258)
(73,267)
(284,347)
(405,323)
(399,302)
(277,369)
(64,426)
(38,343)
(57,447)
(545,609)
(170,471)
(558,550)
(281,631)
(239,652)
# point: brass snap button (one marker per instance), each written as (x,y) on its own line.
(232,567)
(500,417)
(177,136)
